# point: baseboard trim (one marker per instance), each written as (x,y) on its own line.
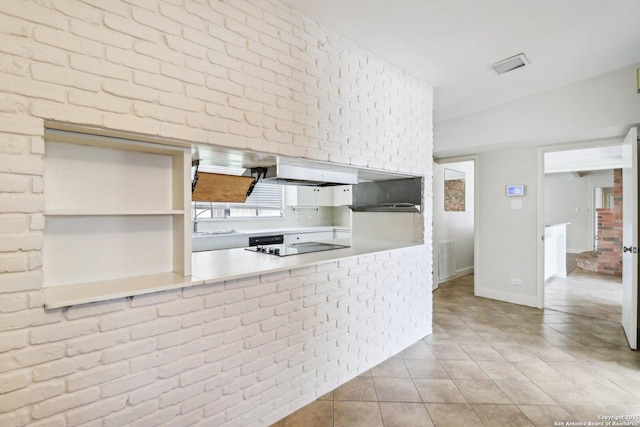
(507,297)
(459,273)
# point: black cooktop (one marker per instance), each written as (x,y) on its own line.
(295,248)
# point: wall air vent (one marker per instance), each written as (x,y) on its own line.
(446,258)
(510,64)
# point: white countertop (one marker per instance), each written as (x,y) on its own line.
(238,239)
(210,267)
(290,230)
(229,264)
(275,230)
(557,224)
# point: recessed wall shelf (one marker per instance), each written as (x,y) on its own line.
(117,215)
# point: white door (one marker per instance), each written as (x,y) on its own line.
(630,237)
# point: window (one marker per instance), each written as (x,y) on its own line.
(266,201)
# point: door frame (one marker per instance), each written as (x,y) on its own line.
(476,209)
(540,201)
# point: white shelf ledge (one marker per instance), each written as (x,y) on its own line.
(82,293)
(112,212)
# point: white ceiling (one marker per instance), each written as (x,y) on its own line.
(451,43)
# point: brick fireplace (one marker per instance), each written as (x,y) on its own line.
(607,258)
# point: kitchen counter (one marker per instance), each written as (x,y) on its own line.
(270,231)
(240,238)
(210,267)
(230,264)
(288,230)
(555,250)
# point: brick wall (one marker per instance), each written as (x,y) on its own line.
(609,253)
(454,195)
(242,352)
(236,73)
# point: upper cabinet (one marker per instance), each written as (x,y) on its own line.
(338,195)
(314,196)
(342,195)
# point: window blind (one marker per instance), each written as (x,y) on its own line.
(264,196)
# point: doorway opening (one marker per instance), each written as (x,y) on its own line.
(583,232)
(454,218)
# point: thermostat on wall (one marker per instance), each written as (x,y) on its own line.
(515,190)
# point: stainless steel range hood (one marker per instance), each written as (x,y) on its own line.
(397,195)
(300,172)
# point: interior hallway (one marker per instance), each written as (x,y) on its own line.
(490,363)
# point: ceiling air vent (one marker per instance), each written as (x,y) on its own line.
(510,64)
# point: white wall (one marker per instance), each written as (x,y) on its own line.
(568,198)
(242,74)
(397,226)
(458,226)
(507,236)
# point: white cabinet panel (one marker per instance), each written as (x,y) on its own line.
(324,196)
(306,196)
(308,237)
(314,196)
(342,195)
(341,234)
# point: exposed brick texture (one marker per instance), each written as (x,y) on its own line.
(607,258)
(454,195)
(610,232)
(247,74)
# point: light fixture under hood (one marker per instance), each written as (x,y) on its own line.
(301,172)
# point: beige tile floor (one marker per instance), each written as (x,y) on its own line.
(490,363)
(585,294)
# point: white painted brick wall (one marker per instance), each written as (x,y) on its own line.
(249,74)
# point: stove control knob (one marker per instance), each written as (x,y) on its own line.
(276,251)
(270,250)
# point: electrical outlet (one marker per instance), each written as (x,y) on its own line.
(516,282)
